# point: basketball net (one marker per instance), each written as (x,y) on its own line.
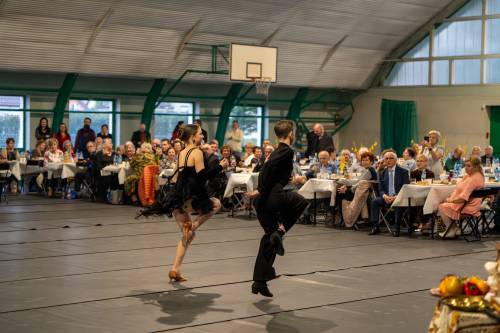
(262,85)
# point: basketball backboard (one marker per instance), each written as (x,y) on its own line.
(250,63)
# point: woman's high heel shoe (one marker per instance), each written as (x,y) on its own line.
(176,276)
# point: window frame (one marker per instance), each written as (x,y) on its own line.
(114,114)
(483,56)
(264,119)
(194,114)
(25,121)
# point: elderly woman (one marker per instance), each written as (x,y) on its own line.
(53,155)
(459,201)
(434,153)
(421,172)
(454,160)
(409,163)
(356,165)
(248,155)
(168,160)
(129,151)
(69,155)
(345,192)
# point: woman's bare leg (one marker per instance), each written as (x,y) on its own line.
(181,218)
(203,218)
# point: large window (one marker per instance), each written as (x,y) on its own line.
(100,111)
(168,114)
(12,121)
(465,49)
(250,121)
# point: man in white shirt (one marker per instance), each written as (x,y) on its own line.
(234,138)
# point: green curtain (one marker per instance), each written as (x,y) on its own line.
(495,129)
(398,124)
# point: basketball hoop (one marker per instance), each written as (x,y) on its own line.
(262,85)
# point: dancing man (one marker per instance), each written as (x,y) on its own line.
(277,210)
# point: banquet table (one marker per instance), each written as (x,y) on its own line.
(123,170)
(70,169)
(317,188)
(250,180)
(15,169)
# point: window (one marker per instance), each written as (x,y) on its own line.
(440,72)
(472,8)
(493,36)
(467,71)
(409,74)
(492,71)
(250,122)
(100,111)
(458,38)
(493,7)
(12,121)
(460,44)
(168,114)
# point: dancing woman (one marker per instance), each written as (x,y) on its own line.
(190,194)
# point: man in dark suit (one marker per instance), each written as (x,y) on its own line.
(391,181)
(140,136)
(277,210)
(318,140)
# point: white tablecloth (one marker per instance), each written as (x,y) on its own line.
(250,180)
(429,196)
(123,170)
(70,170)
(54,170)
(324,188)
(15,169)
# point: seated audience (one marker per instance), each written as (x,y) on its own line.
(323,165)
(90,174)
(10,153)
(129,151)
(266,143)
(455,161)
(227,153)
(53,155)
(409,162)
(214,145)
(217,184)
(356,166)
(98,144)
(104,133)
(39,152)
(333,157)
(104,158)
(69,155)
(257,160)
(391,181)
(451,209)
(43,131)
(120,151)
(62,135)
(487,158)
(248,155)
(178,145)
(476,152)
(168,160)
(345,155)
(165,145)
(347,193)
(421,172)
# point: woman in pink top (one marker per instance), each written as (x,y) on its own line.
(452,207)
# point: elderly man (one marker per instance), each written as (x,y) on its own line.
(234,137)
(141,136)
(487,158)
(318,140)
(392,180)
(323,165)
(454,160)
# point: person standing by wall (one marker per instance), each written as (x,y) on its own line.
(234,137)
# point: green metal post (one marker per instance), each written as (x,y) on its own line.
(214,58)
(150,102)
(225,111)
(62,99)
(296,107)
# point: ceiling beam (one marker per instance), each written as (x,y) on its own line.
(270,38)
(331,52)
(187,38)
(98,28)
(414,38)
